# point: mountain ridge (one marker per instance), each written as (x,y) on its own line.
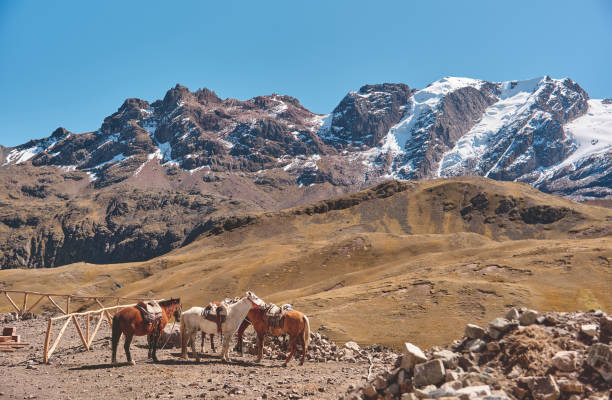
(535,131)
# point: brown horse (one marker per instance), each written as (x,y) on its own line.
(129,321)
(295,324)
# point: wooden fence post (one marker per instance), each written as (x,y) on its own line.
(47,338)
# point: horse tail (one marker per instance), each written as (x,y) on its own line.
(116,333)
(306,333)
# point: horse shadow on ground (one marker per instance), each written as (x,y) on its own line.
(205,359)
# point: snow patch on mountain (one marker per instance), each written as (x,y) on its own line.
(421,110)
(516,100)
(591,132)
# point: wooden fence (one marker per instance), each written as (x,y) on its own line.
(54,299)
(86,335)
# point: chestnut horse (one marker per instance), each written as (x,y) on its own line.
(129,321)
(296,324)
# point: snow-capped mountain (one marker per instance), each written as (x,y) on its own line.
(545,132)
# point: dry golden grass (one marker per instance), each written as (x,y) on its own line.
(408,267)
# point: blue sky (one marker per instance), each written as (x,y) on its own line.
(71,63)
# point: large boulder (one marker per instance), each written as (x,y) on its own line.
(565,360)
(429,373)
(600,359)
(412,355)
(529,317)
(544,388)
(474,331)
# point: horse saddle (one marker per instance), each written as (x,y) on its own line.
(216,314)
(275,315)
(151,311)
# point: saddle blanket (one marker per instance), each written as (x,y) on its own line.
(214,313)
(151,311)
(153,307)
(275,315)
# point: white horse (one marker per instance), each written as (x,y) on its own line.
(192,322)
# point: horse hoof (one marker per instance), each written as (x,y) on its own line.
(114,362)
(132,362)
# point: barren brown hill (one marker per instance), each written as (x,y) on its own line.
(399,261)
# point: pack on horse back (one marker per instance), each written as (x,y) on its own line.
(275,315)
(151,311)
(216,314)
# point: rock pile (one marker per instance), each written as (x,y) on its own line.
(525,355)
(322,349)
(13,316)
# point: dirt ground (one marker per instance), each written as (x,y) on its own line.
(77,374)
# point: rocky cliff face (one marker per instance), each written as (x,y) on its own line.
(270,152)
(544,131)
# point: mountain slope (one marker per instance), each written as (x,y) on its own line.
(380,264)
(545,132)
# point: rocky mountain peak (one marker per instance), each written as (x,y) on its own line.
(542,131)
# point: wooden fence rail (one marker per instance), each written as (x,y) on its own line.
(22,308)
(86,338)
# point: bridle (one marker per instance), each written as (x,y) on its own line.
(259,307)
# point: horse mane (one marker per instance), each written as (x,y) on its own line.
(169,302)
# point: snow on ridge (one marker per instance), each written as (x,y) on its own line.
(420,108)
(515,101)
(592,132)
(21,156)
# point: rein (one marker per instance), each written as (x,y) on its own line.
(173,324)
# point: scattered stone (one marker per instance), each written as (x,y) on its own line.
(529,317)
(449,358)
(512,314)
(429,373)
(493,347)
(412,355)
(369,391)
(589,329)
(474,391)
(352,346)
(570,386)
(605,329)
(544,388)
(475,345)
(600,359)
(503,325)
(474,331)
(380,383)
(565,360)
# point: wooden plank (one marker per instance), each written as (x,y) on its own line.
(93,335)
(14,344)
(5,338)
(46,346)
(36,302)
(108,316)
(7,350)
(56,305)
(12,302)
(87,329)
(59,336)
(76,323)
(25,303)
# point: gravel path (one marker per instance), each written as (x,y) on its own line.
(77,374)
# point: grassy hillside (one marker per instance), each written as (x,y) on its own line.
(396,262)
